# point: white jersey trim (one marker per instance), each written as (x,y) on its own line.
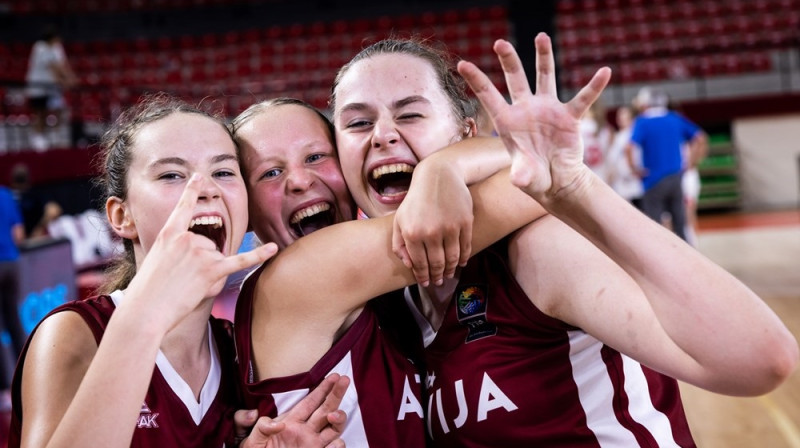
(428,333)
(596,393)
(354,433)
(197,409)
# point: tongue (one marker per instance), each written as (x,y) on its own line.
(314,223)
(392,185)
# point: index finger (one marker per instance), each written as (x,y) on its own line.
(303,410)
(181,215)
(320,419)
(485,91)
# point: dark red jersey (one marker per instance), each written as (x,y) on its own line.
(502,373)
(164,420)
(383,402)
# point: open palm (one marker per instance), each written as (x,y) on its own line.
(540,132)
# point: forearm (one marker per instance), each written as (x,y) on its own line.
(740,344)
(370,267)
(113,388)
(475,158)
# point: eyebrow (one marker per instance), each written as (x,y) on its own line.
(397,104)
(410,100)
(182,162)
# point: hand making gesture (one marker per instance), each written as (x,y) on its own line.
(540,132)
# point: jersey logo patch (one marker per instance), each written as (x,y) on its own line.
(471,305)
(147,418)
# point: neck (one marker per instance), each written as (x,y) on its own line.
(187,349)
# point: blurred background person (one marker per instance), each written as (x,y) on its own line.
(660,135)
(49,73)
(620,177)
(12,233)
(597,135)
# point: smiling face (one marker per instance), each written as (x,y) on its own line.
(165,154)
(292,174)
(390,113)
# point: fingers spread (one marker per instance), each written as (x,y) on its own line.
(516,80)
(589,93)
(545,66)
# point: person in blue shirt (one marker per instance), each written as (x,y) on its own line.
(12,233)
(661,134)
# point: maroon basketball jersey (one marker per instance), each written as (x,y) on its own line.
(164,421)
(383,402)
(502,373)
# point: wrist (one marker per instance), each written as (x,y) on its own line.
(573,193)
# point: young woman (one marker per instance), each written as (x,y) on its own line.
(146,364)
(539,340)
(308,312)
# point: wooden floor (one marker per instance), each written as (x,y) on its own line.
(763,250)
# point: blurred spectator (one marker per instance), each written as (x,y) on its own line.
(12,233)
(597,135)
(37,211)
(48,74)
(90,235)
(620,177)
(660,134)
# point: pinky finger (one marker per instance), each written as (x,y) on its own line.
(250,258)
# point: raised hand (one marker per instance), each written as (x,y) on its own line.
(315,421)
(540,132)
(182,268)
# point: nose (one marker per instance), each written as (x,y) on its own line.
(299,180)
(209,188)
(384,133)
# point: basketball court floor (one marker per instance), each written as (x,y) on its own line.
(762,250)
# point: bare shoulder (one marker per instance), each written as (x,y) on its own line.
(63,342)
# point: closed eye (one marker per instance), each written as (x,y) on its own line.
(225,173)
(358,124)
(410,116)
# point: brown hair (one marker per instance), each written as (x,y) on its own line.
(442,62)
(117,146)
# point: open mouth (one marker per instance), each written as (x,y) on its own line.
(210,227)
(313,218)
(391,180)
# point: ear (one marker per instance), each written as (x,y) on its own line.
(470,127)
(120,219)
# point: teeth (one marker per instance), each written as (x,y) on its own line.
(214,221)
(310,211)
(393,168)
